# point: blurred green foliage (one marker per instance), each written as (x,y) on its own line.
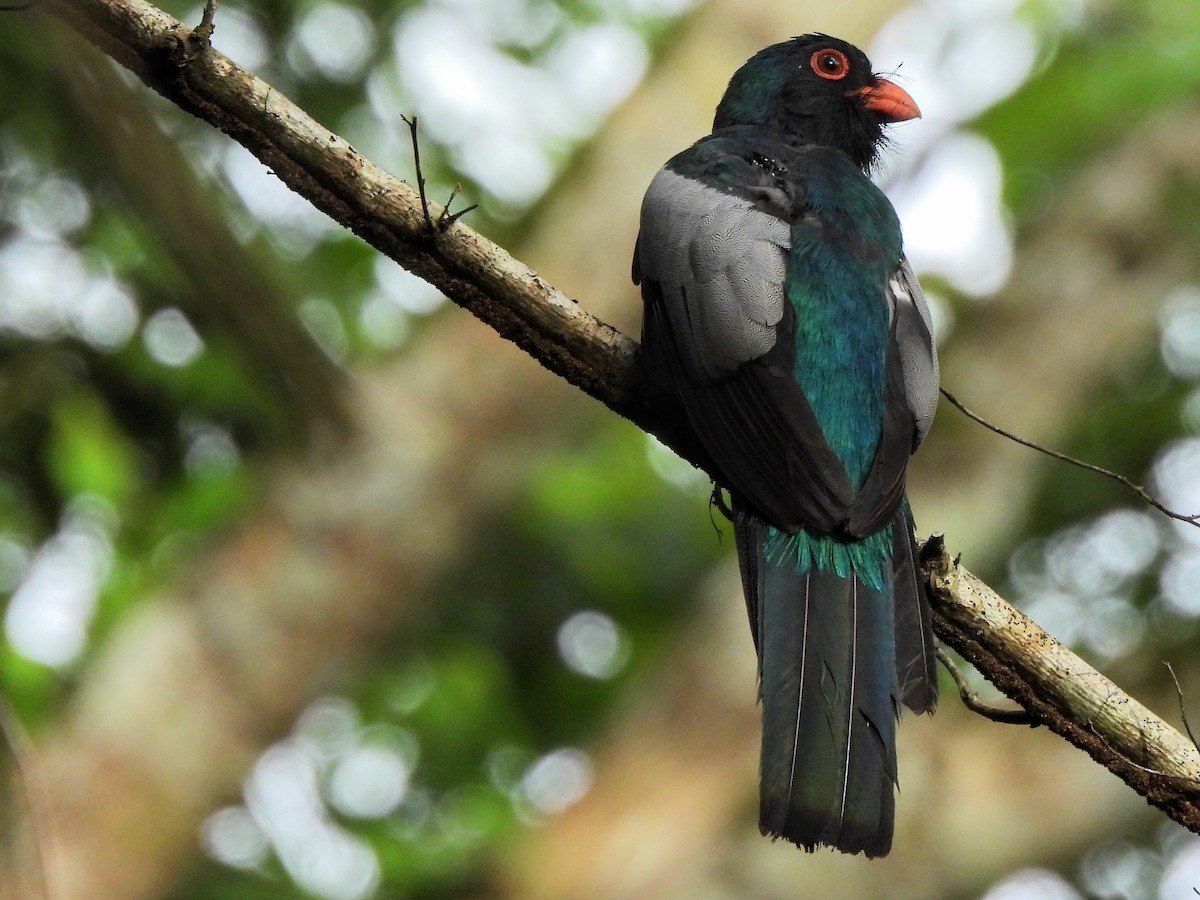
(120,424)
(165,455)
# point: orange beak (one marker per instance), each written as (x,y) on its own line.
(889,101)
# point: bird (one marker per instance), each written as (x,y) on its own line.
(784,325)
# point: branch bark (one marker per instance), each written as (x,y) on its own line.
(1150,756)
(1061,691)
(385,211)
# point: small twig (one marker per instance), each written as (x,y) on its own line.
(717,499)
(204,30)
(1186,783)
(1182,711)
(972,702)
(445,219)
(416,145)
(1192,785)
(1086,466)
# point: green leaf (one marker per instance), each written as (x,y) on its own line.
(88,453)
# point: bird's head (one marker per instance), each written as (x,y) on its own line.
(819,90)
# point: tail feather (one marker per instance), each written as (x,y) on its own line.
(830,700)
(748,538)
(915,662)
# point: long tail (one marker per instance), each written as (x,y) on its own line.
(831,690)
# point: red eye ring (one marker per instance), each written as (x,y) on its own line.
(831,64)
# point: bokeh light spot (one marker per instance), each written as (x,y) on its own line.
(231,836)
(592,644)
(557,780)
(368,782)
(171,339)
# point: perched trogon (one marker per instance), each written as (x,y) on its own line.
(782,318)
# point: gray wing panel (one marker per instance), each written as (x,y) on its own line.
(914,339)
(720,263)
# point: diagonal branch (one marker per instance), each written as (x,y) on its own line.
(1058,689)
(1055,686)
(382,209)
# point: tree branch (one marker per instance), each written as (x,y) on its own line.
(382,209)
(1055,686)
(1058,689)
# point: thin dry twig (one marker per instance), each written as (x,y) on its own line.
(416,145)
(1086,466)
(1187,726)
(446,218)
(972,702)
(204,30)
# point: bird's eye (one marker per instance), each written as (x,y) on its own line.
(831,64)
